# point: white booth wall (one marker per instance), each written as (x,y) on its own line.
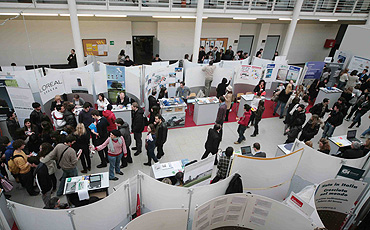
(355,40)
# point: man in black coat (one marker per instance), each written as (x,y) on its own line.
(102,135)
(295,126)
(42,178)
(161,134)
(36,115)
(352,153)
(72,60)
(335,119)
(137,126)
(321,108)
(213,141)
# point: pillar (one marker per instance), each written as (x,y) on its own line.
(76,32)
(291,28)
(198,30)
(368,21)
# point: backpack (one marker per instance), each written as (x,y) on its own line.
(13,168)
(235,185)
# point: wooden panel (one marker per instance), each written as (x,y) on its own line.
(90,46)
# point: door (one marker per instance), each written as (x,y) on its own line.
(143,49)
(271,45)
(245,43)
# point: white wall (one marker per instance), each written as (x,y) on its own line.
(356,40)
(144,29)
(222,30)
(308,42)
(279,29)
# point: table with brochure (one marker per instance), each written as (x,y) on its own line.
(173,111)
(332,93)
(205,110)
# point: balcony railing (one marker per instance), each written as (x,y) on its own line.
(316,6)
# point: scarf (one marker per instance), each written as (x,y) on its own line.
(111,146)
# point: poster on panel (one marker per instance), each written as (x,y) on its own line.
(261,62)
(341,56)
(282,72)
(359,64)
(269,73)
(8,80)
(115,81)
(250,74)
(22,100)
(314,69)
(293,73)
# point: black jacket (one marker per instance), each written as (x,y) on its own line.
(161,133)
(82,142)
(213,141)
(35,118)
(152,101)
(335,118)
(221,89)
(43,178)
(283,97)
(70,118)
(85,117)
(318,110)
(138,124)
(124,102)
(343,106)
(258,89)
(72,60)
(352,153)
(125,131)
(298,119)
(308,131)
(101,127)
(293,134)
(54,104)
(12,127)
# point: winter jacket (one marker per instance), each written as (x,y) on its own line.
(138,121)
(43,178)
(70,118)
(101,126)
(245,118)
(308,131)
(35,118)
(58,119)
(298,119)
(319,110)
(259,113)
(152,102)
(111,118)
(161,133)
(335,119)
(283,97)
(213,141)
(125,131)
(85,117)
(12,126)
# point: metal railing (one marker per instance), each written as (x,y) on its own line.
(325,6)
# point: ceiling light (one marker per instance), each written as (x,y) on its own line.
(166,16)
(64,15)
(327,20)
(285,19)
(111,15)
(9,13)
(192,17)
(85,15)
(242,18)
(37,14)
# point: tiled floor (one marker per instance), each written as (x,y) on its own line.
(189,143)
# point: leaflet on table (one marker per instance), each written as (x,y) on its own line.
(121,107)
(172,101)
(207,100)
(331,90)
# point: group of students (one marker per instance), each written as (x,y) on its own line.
(216,56)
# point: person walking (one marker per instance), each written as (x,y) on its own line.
(116,150)
(161,134)
(213,141)
(335,119)
(243,123)
(311,128)
(223,165)
(209,71)
(362,110)
(221,113)
(229,101)
(102,135)
(137,126)
(150,145)
(258,117)
(124,129)
(45,149)
(282,100)
(83,142)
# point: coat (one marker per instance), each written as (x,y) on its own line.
(213,141)
(152,102)
(259,114)
(297,119)
(335,118)
(221,89)
(221,114)
(12,126)
(70,118)
(161,133)
(308,131)
(124,102)
(244,120)
(319,110)
(101,126)
(138,124)
(43,178)
(111,118)
(35,118)
(85,117)
(125,131)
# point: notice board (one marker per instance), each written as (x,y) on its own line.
(96,47)
(219,42)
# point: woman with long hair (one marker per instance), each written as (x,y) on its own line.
(82,142)
(45,133)
(31,132)
(282,100)
(311,128)
(102,103)
(150,145)
(45,149)
(344,76)
(228,101)
(324,146)
(121,57)
(258,116)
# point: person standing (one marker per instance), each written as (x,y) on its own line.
(124,129)
(69,115)
(36,115)
(321,108)
(213,141)
(137,126)
(221,88)
(45,149)
(150,145)
(221,113)
(363,76)
(111,118)
(161,134)
(362,110)
(343,79)
(42,177)
(202,54)
(229,101)
(223,165)
(72,60)
(258,116)
(163,93)
(283,99)
(121,57)
(335,119)
(311,128)
(102,103)
(67,159)
(12,124)
(243,123)
(295,125)
(58,117)
(102,135)
(122,100)
(152,102)
(85,115)
(259,53)
(183,91)
(83,142)
(116,150)
(209,71)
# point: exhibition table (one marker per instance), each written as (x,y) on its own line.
(244,99)
(173,111)
(162,170)
(333,94)
(123,112)
(337,142)
(205,110)
(284,149)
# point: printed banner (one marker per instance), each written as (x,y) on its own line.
(115,81)
(314,69)
(50,85)
(22,100)
(269,72)
(359,64)
(282,73)
(251,74)
(293,73)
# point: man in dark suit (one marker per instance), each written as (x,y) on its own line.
(213,141)
(72,60)
(101,127)
(258,152)
(352,153)
(152,100)
(363,76)
(137,126)
(221,113)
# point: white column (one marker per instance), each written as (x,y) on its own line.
(291,28)
(198,30)
(368,21)
(76,32)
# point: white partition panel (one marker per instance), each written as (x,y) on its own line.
(30,218)
(194,77)
(156,195)
(168,219)
(278,192)
(133,80)
(221,73)
(266,173)
(316,166)
(106,213)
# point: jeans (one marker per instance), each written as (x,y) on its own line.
(367,131)
(328,130)
(256,127)
(341,85)
(66,173)
(139,142)
(207,88)
(282,104)
(241,130)
(151,156)
(114,162)
(357,118)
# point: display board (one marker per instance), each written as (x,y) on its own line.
(359,64)
(294,73)
(273,173)
(221,43)
(199,173)
(314,69)
(341,56)
(115,81)
(261,62)
(21,99)
(96,47)
(249,74)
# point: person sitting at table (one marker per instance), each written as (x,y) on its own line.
(353,152)
(260,88)
(102,103)
(78,101)
(57,101)
(122,99)
(257,151)
(54,203)
(324,146)
(223,165)
(183,91)
(179,179)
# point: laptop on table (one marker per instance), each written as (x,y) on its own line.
(246,151)
(351,136)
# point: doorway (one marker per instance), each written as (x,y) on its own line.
(245,43)
(143,49)
(271,45)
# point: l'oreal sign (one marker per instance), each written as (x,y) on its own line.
(50,86)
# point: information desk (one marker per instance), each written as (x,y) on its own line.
(333,95)
(173,111)
(205,110)
(337,142)
(123,112)
(244,99)
(77,188)
(162,170)
(284,149)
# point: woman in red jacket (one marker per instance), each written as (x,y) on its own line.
(243,123)
(111,118)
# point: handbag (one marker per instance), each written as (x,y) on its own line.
(7,186)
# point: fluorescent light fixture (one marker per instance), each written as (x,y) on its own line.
(85,15)
(64,15)
(111,15)
(285,19)
(192,17)
(38,14)
(243,18)
(166,16)
(9,13)
(327,20)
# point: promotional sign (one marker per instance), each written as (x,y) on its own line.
(8,80)
(282,72)
(328,59)
(50,85)
(298,204)
(293,73)
(350,172)
(115,81)
(359,64)
(341,56)
(314,69)
(22,100)
(251,74)
(268,71)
